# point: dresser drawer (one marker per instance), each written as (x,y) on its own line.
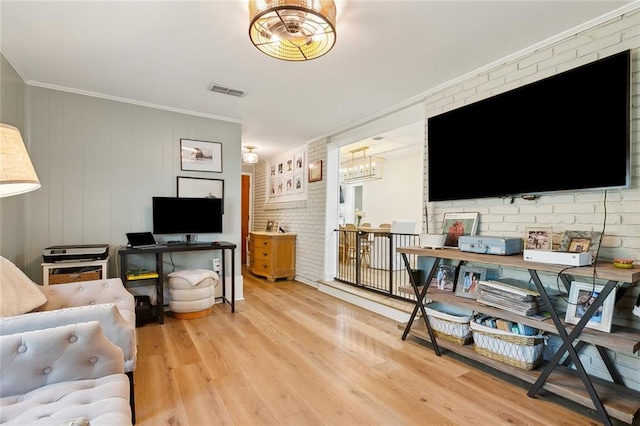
(261,254)
(261,243)
(261,267)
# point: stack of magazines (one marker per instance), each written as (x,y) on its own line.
(509,297)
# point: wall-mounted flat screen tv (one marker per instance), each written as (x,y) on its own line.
(187,216)
(567,132)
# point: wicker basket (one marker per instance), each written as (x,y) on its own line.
(72,277)
(449,326)
(514,349)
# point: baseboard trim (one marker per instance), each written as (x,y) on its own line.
(364,302)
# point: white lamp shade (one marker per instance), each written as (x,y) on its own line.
(250,157)
(17,174)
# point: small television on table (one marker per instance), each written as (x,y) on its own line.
(187,216)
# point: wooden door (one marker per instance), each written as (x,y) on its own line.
(244,220)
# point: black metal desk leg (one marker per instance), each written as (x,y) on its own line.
(233,280)
(160,287)
(222,277)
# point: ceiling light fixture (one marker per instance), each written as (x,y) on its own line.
(293,30)
(17,174)
(250,157)
(362,168)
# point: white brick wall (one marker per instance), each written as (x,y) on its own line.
(305,218)
(567,211)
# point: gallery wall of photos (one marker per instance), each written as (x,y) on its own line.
(286,177)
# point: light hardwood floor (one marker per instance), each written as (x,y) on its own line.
(292,355)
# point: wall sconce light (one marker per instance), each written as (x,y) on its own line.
(250,157)
(17,174)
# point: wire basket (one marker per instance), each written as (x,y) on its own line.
(454,328)
(76,276)
(514,349)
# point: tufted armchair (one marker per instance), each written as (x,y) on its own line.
(106,301)
(64,375)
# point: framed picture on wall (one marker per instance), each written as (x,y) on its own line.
(189,187)
(315,171)
(200,156)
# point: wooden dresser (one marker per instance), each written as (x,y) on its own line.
(272,255)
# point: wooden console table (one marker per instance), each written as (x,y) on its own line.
(611,399)
(159,251)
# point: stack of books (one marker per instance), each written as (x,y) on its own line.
(141,274)
(509,297)
(505,325)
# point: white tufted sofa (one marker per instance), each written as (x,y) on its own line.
(61,376)
(106,301)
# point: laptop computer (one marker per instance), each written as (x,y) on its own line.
(141,240)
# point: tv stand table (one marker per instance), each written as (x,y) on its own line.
(159,252)
(609,399)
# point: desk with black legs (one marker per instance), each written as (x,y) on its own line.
(159,251)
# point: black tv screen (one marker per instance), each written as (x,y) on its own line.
(567,132)
(187,215)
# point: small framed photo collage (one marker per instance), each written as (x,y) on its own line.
(287,176)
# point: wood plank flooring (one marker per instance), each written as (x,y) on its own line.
(292,355)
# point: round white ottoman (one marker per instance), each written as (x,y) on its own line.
(192,293)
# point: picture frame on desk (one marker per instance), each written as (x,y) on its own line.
(581,241)
(539,238)
(469,278)
(445,279)
(458,224)
(581,296)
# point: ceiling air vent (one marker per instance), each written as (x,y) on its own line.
(226,90)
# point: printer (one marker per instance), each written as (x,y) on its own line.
(75,253)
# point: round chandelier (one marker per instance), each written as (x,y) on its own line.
(293,30)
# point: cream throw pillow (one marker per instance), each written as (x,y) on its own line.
(18,294)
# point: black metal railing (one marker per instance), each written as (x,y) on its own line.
(369,260)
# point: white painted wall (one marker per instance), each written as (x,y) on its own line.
(397,196)
(100,163)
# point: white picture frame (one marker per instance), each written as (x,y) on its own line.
(200,156)
(581,296)
(458,224)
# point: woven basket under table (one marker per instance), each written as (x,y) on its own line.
(450,327)
(514,349)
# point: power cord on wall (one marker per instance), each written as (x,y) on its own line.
(594,259)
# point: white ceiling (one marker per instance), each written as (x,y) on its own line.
(167,54)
